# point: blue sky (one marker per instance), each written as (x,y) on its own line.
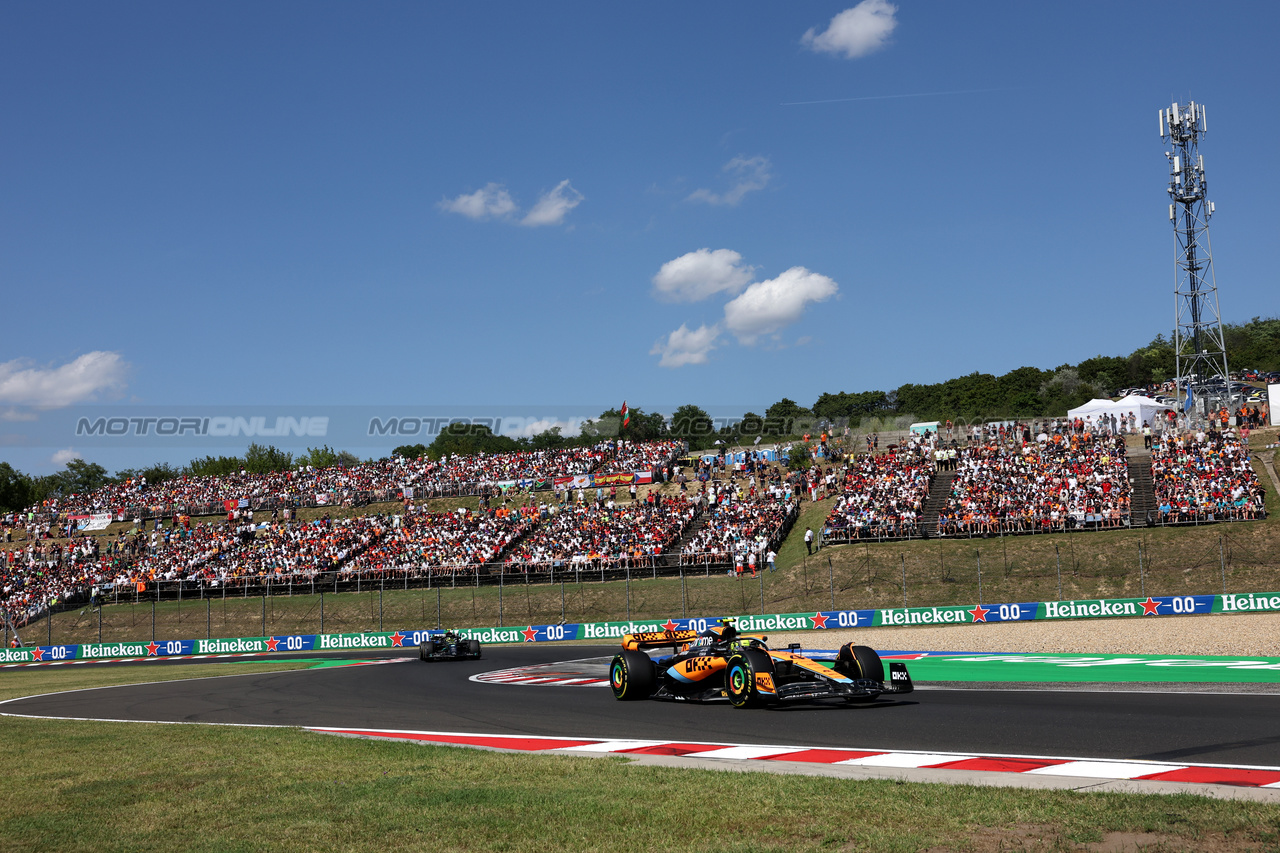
(464,204)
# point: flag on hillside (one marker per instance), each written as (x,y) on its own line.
(1186,407)
(626,417)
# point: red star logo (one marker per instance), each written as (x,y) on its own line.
(37,653)
(979,613)
(152,648)
(272,642)
(819,621)
(1150,607)
(530,634)
(670,625)
(397,639)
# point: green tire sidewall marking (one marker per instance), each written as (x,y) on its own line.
(618,676)
(738,679)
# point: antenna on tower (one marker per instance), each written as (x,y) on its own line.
(1199,347)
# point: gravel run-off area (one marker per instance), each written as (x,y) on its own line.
(1235,634)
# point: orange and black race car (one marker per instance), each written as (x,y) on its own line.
(720,663)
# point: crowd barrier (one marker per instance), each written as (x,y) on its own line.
(1164,605)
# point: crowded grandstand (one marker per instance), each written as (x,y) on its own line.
(562,510)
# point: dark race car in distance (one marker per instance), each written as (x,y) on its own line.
(720,663)
(448,646)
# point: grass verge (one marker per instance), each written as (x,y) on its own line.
(138,787)
(30,682)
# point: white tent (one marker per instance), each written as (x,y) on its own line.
(1144,409)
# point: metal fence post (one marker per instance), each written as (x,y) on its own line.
(1059,556)
(321,611)
(760,572)
(153,620)
(1222,555)
(831,569)
(1142,575)
(904,579)
(977,556)
(264,615)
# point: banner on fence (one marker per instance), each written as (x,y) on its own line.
(1165,605)
(96,521)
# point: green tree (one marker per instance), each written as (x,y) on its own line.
(214,466)
(469,439)
(410,451)
(851,408)
(157,473)
(549,439)
(81,477)
(1255,344)
(327,457)
(264,460)
(799,457)
(693,424)
(787,417)
(15,489)
(642,426)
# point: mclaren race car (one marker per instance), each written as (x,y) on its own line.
(720,663)
(449,646)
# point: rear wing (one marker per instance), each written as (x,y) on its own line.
(657,639)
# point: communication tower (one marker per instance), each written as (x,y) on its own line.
(1200,352)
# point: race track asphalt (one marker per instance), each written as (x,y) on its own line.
(1176,727)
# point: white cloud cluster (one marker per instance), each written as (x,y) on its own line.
(62,457)
(24,384)
(686,346)
(519,427)
(696,275)
(748,173)
(763,309)
(855,32)
(552,207)
(767,306)
(494,202)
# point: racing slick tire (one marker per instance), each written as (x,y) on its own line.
(473,648)
(860,662)
(426,649)
(632,675)
(740,683)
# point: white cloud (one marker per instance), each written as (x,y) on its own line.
(685,346)
(855,32)
(62,457)
(700,274)
(751,173)
(767,306)
(492,202)
(518,427)
(51,387)
(552,208)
